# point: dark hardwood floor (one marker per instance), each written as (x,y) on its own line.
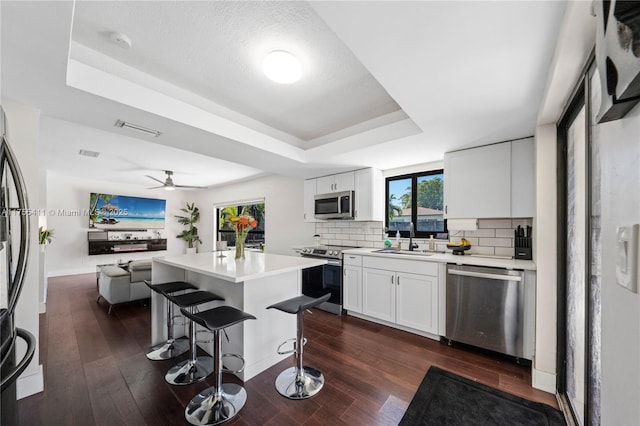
(96,371)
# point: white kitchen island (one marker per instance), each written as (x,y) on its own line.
(251,285)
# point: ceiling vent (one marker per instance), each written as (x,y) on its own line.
(138,128)
(88,153)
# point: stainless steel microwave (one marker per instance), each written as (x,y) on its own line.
(336,205)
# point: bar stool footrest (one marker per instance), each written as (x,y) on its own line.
(226,370)
(204,340)
(293,339)
(187,372)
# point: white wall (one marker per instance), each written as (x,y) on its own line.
(284,211)
(22,132)
(619,143)
(68,253)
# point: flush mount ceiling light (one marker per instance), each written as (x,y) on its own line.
(282,67)
(138,128)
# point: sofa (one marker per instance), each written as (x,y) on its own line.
(124,284)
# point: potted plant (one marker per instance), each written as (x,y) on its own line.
(44,237)
(190,234)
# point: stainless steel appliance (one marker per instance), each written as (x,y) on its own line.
(336,205)
(14,252)
(320,280)
(486,308)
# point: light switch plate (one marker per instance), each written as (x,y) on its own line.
(627,257)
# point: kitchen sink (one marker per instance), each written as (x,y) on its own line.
(413,253)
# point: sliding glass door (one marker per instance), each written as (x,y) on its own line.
(579,248)
(576,260)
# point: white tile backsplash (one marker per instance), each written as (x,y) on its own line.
(493,236)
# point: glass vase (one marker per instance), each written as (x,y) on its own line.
(239,247)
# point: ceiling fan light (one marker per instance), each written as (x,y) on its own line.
(282,67)
(169,188)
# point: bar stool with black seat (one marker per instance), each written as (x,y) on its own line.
(172,347)
(195,368)
(220,402)
(299,382)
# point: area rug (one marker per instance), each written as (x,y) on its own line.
(444,398)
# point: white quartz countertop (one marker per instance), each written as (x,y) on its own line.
(467,259)
(255,265)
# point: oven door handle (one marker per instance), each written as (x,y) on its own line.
(332,262)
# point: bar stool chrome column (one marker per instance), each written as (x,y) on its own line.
(220,402)
(299,382)
(195,368)
(172,347)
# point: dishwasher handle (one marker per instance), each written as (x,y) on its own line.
(485,275)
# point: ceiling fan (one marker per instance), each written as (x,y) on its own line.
(169,185)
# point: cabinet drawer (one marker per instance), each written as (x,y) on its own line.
(401,265)
(352,259)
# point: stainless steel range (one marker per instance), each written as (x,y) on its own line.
(321,280)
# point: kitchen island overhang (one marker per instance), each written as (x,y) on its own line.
(251,285)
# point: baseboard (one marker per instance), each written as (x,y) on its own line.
(543,380)
(43,308)
(30,384)
(74,271)
(394,325)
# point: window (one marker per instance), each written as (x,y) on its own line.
(416,198)
(255,237)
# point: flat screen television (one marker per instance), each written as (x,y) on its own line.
(120,212)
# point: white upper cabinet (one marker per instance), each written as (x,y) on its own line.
(309,194)
(369,195)
(523,172)
(490,181)
(335,183)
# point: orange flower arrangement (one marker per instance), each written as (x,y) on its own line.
(242,223)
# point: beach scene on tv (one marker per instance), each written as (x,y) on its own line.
(109,211)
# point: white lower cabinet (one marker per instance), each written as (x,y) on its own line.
(417,301)
(352,284)
(379,293)
(399,295)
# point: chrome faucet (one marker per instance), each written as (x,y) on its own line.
(411,235)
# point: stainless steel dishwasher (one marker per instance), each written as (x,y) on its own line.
(485,308)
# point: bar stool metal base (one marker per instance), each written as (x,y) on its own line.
(188,372)
(168,350)
(289,384)
(207,409)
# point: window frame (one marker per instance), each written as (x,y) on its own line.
(251,234)
(414,197)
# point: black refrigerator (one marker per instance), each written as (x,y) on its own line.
(14,251)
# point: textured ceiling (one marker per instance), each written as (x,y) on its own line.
(215,49)
(464,73)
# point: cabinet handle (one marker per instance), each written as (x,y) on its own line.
(445,209)
(392,279)
(344,272)
(398,280)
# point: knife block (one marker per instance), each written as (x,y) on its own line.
(522,248)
